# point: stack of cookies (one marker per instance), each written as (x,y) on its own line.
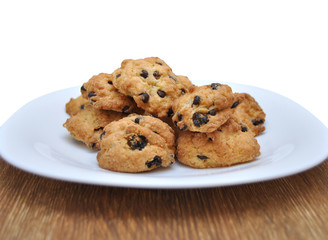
(143,116)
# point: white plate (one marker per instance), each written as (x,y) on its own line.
(34,140)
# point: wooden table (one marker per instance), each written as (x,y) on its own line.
(33,207)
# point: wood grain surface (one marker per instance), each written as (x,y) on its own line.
(33,207)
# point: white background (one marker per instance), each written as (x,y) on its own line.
(277,45)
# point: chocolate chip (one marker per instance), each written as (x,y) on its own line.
(196,100)
(159,63)
(175,123)
(210,139)
(118,75)
(137,120)
(144,74)
(93,145)
(156,75)
(212,112)
(82,106)
(83,88)
(170,112)
(235,104)
(97,129)
(184,128)
(125,108)
(172,77)
(179,117)
(102,134)
(202,157)
(157,160)
(110,82)
(91,94)
(183,91)
(137,142)
(214,86)
(161,93)
(257,122)
(219,130)
(244,129)
(199,119)
(144,97)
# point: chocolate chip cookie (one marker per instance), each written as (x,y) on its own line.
(136,143)
(248,111)
(230,144)
(87,125)
(204,109)
(75,105)
(151,83)
(102,94)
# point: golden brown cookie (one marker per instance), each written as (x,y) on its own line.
(75,105)
(249,112)
(204,109)
(151,83)
(167,120)
(87,125)
(102,94)
(136,144)
(230,144)
(184,84)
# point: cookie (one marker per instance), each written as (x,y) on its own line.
(75,105)
(151,83)
(248,111)
(102,94)
(230,144)
(87,125)
(136,143)
(167,120)
(184,84)
(204,109)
